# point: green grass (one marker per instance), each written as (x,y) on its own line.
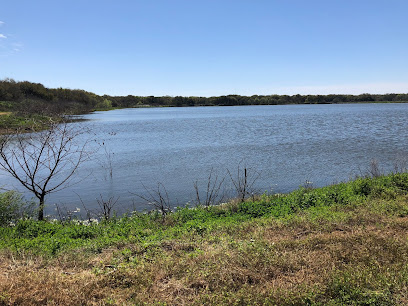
(10,123)
(344,244)
(51,238)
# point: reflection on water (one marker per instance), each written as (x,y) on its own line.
(287,145)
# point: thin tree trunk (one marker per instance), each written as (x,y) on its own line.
(41,208)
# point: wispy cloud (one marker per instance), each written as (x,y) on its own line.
(17,47)
(9,45)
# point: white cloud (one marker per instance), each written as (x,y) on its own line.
(3,36)
(1,23)
(17,47)
(9,47)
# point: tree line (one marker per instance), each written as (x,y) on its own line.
(36,98)
(28,97)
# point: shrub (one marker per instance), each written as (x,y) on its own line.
(11,207)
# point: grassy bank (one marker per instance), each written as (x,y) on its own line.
(11,123)
(342,244)
(15,122)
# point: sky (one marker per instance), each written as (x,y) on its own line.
(207,47)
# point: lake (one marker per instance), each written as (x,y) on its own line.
(285,145)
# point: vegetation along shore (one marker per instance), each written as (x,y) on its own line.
(344,244)
(31,106)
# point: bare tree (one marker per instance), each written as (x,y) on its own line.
(212,192)
(106,206)
(43,162)
(158,198)
(374,169)
(244,182)
(107,160)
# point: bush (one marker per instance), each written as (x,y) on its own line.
(11,207)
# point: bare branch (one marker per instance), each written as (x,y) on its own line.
(159,199)
(43,162)
(106,206)
(212,191)
(244,182)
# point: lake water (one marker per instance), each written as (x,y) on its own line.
(287,145)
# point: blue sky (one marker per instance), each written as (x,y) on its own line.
(206,48)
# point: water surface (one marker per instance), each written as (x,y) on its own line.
(287,145)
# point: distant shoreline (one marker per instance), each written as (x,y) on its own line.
(27,106)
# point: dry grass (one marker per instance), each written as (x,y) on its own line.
(296,261)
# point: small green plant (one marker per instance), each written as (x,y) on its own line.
(11,207)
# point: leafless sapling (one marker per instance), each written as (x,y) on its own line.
(106,206)
(158,198)
(43,162)
(212,191)
(244,182)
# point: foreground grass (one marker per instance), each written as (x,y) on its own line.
(342,244)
